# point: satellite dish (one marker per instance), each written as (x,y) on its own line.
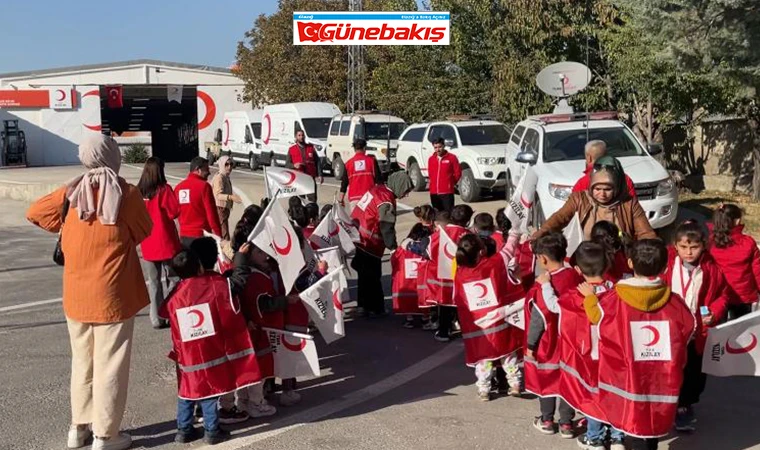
(563,79)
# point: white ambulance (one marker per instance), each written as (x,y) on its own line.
(241,137)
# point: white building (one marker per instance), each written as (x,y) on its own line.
(56,107)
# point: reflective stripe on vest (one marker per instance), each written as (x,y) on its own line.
(217,361)
(541,366)
(647,398)
(574,373)
(440,283)
(422,287)
(404,294)
(370,233)
(485,332)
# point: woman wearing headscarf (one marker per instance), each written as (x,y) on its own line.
(103,286)
(222,185)
(607,198)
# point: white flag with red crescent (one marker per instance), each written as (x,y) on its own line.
(277,238)
(324,303)
(518,207)
(447,250)
(329,233)
(294,356)
(732,348)
(222,262)
(289,182)
(345,221)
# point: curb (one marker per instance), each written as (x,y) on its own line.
(25,192)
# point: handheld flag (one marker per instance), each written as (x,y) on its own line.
(329,233)
(518,207)
(344,220)
(295,354)
(732,348)
(289,182)
(325,306)
(446,252)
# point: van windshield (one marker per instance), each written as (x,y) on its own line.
(570,144)
(484,134)
(256,128)
(317,128)
(379,130)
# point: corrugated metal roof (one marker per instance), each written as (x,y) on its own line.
(135,62)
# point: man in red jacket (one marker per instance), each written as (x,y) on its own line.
(197,207)
(444,172)
(361,174)
(303,158)
(595,150)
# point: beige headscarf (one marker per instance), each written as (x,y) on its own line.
(222,161)
(101,155)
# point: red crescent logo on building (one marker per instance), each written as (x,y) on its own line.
(284,251)
(62,95)
(655,335)
(336,300)
(208,119)
(227,132)
(199,317)
(92,93)
(483,287)
(268,120)
(293,348)
(292,178)
(740,350)
(447,252)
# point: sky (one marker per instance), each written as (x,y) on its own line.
(42,34)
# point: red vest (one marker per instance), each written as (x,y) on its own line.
(211,344)
(477,292)
(641,360)
(440,290)
(405,266)
(259,284)
(526,260)
(542,371)
(361,175)
(498,237)
(425,272)
(367,213)
(309,165)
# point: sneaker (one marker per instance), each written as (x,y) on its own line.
(617,444)
(262,409)
(587,444)
(514,391)
(566,431)
(290,398)
(440,337)
(544,426)
(119,442)
(186,436)
(455,327)
(409,323)
(78,436)
(684,420)
(232,416)
(430,326)
(216,437)
(484,396)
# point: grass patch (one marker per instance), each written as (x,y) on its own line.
(706,202)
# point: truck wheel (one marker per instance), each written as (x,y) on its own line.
(469,190)
(253,162)
(338,167)
(415,174)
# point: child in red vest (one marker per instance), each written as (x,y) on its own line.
(610,236)
(211,346)
(737,254)
(696,277)
(542,339)
(427,270)
(405,266)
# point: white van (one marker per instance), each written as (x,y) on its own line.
(241,137)
(380,130)
(280,122)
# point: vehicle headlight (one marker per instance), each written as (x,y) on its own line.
(665,187)
(560,191)
(318,147)
(490,161)
(384,151)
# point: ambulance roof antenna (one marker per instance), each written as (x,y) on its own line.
(562,80)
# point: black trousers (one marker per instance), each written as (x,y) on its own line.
(694,379)
(736,311)
(548,405)
(442,202)
(446,317)
(186,241)
(369,270)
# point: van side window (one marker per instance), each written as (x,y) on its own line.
(248,136)
(256,128)
(345,127)
(334,127)
(530,141)
(359,131)
(518,134)
(414,135)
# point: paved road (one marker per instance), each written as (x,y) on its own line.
(381,387)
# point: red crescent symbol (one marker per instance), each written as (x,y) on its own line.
(284,251)
(292,177)
(483,287)
(113,93)
(446,251)
(293,348)
(92,93)
(269,128)
(739,350)
(210,110)
(655,335)
(199,315)
(336,301)
(62,93)
(335,232)
(227,131)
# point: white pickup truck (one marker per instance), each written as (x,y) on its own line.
(554,145)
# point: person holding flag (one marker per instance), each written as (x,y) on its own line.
(376,214)
(304,158)
(362,172)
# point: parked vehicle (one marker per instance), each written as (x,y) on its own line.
(241,137)
(380,130)
(479,143)
(554,145)
(280,122)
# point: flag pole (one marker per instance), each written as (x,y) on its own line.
(266,183)
(262,223)
(290,333)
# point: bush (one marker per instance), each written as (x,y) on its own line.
(136,154)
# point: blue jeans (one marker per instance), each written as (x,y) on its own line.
(596,431)
(186,409)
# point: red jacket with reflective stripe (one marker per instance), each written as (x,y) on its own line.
(740,263)
(444,173)
(405,267)
(367,213)
(361,175)
(211,343)
(197,207)
(309,163)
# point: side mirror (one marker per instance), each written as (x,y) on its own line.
(526,158)
(655,149)
(449,143)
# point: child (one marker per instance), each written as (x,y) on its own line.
(312,215)
(737,254)
(694,275)
(483,226)
(324,211)
(644,330)
(542,341)
(609,235)
(206,331)
(426,216)
(483,285)
(405,266)
(503,225)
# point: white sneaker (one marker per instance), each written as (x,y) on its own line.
(430,326)
(262,409)
(78,436)
(119,442)
(289,398)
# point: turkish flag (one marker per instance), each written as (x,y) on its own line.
(114,94)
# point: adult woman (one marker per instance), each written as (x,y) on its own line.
(223,194)
(103,286)
(607,198)
(163,242)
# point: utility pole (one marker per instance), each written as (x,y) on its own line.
(355,83)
